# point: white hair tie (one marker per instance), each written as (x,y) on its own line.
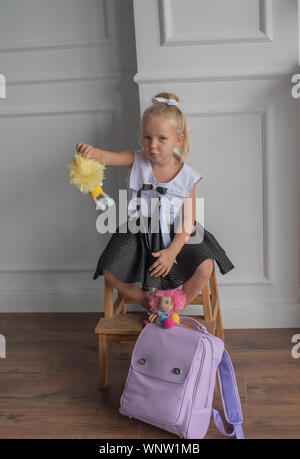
(164,101)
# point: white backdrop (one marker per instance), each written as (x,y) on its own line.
(84,70)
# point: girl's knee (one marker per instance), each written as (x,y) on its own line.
(206,267)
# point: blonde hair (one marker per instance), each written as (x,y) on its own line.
(175,114)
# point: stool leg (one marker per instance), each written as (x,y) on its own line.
(108,300)
(207,311)
(103,374)
(216,302)
(124,308)
(219,326)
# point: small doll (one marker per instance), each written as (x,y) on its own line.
(164,305)
(86,174)
(100,198)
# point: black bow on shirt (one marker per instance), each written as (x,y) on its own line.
(159,189)
(149,186)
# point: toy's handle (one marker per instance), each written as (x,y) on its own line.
(199,326)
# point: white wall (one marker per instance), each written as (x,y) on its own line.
(231,63)
(69,66)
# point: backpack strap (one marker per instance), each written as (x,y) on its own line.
(230,399)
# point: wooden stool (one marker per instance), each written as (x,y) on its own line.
(119,326)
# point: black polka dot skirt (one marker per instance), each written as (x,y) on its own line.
(128,257)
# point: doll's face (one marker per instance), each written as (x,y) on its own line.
(165,303)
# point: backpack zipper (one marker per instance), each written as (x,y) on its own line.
(197,379)
(199,369)
(211,367)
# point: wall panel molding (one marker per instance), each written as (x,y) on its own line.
(31,80)
(267,278)
(170,37)
(47,268)
(109,38)
(55,46)
(38,113)
(262,73)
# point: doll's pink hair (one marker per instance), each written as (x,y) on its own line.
(177,295)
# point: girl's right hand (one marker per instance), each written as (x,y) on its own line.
(87,151)
(152,317)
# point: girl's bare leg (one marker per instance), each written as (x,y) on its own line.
(133,291)
(195,284)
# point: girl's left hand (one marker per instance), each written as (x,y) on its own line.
(163,264)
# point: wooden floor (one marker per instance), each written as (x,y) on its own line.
(49,381)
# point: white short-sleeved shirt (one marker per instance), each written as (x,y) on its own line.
(178,188)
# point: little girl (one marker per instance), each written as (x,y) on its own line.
(159,259)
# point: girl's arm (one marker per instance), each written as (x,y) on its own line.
(188,219)
(108,158)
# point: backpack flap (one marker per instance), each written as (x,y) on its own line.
(158,377)
(162,350)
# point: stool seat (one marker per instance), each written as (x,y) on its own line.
(132,323)
(121,325)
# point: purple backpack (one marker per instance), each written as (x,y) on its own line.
(171,381)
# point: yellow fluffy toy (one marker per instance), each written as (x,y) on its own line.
(88,175)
